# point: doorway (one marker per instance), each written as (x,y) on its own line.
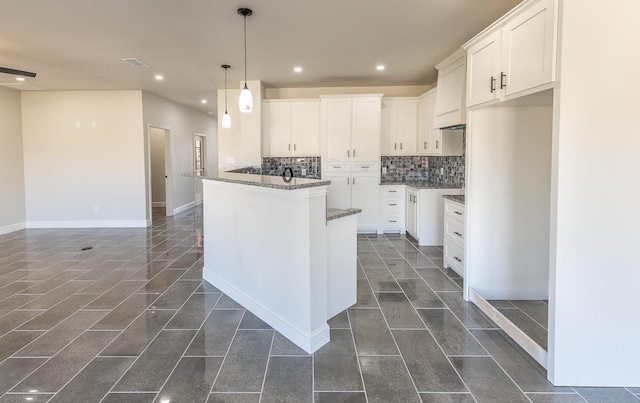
(160,172)
(199,159)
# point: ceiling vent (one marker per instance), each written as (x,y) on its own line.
(136,62)
(21,87)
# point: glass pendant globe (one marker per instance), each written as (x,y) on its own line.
(246,100)
(226,120)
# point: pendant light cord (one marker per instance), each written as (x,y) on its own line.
(245,51)
(225,89)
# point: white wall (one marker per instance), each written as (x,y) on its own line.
(72,167)
(12,212)
(508,190)
(182,122)
(241,144)
(156,152)
(595,261)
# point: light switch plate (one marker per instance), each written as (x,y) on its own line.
(304,171)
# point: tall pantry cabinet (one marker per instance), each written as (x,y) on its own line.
(351,154)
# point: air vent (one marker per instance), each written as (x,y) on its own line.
(136,62)
(21,87)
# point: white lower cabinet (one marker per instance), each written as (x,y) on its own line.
(454,213)
(424,214)
(412,212)
(392,200)
(355,185)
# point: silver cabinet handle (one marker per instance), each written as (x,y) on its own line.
(289,146)
(457,258)
(353,181)
(348,155)
(393,204)
(457,233)
(492,85)
(502,80)
(365,166)
(437,144)
(393,191)
(394,146)
(337,167)
(457,212)
(425,145)
(354,153)
(401,146)
(347,180)
(294,146)
(393,221)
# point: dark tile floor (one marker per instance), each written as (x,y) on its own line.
(131,321)
(530,316)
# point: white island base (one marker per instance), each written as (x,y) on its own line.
(267,248)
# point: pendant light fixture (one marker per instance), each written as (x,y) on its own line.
(246,99)
(226,118)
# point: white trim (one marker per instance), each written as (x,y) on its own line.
(12,228)
(309,342)
(521,338)
(184,207)
(158,204)
(89,224)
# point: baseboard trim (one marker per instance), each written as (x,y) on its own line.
(158,204)
(12,228)
(521,338)
(309,342)
(88,224)
(184,208)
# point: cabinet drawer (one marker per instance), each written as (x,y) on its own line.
(392,205)
(454,257)
(392,221)
(336,168)
(454,210)
(454,231)
(366,167)
(392,192)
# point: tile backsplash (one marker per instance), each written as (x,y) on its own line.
(422,168)
(275,165)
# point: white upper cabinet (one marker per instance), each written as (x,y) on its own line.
(399,126)
(351,128)
(450,97)
(515,54)
(291,127)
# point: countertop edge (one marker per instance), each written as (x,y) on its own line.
(316,183)
(334,215)
(455,198)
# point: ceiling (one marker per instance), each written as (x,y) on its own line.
(79,44)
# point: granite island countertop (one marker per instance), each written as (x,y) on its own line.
(422,184)
(335,213)
(455,198)
(274,182)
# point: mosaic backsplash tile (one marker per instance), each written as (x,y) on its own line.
(275,165)
(404,168)
(418,168)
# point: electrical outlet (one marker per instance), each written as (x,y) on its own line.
(93,125)
(77,125)
(303,171)
(96,209)
(441,171)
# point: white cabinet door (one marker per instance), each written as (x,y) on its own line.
(277,128)
(389,125)
(411,212)
(365,195)
(339,191)
(305,127)
(407,126)
(450,97)
(425,124)
(336,128)
(365,133)
(528,48)
(483,70)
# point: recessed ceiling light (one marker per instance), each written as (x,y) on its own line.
(210,113)
(159,77)
(380,67)
(20,78)
(204,101)
(297,69)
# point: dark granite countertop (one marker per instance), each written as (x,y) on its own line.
(422,184)
(274,182)
(455,198)
(335,213)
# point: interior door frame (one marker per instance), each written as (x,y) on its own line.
(167,169)
(204,160)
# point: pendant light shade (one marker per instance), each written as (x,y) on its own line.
(226,118)
(245,102)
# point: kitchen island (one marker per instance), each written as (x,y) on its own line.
(274,248)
